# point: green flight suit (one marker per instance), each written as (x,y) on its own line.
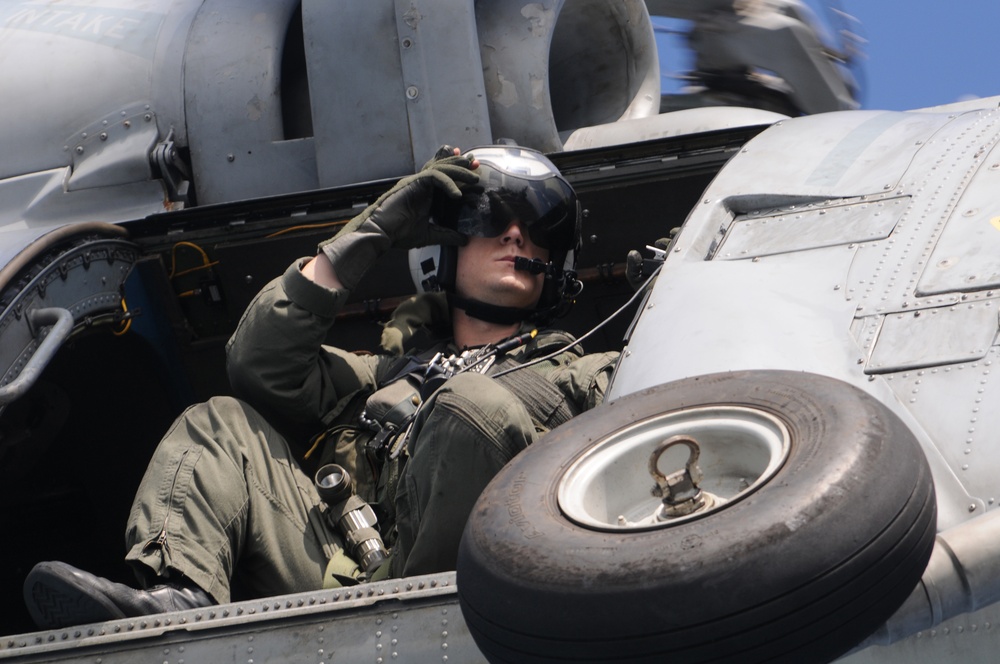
(225,500)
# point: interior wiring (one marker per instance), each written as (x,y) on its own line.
(126,323)
(305,227)
(205,262)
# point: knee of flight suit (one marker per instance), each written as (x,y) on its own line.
(221,421)
(223,490)
(219,408)
(469,429)
(476,409)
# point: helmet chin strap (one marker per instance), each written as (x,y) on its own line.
(491,313)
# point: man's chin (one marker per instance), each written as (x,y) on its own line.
(517,295)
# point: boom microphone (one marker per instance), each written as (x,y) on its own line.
(533,266)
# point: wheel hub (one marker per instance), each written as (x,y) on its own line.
(721,455)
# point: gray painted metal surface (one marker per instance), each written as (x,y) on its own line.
(89,41)
(829,300)
(233,86)
(857,252)
(366,131)
(264,98)
(409,620)
(270,97)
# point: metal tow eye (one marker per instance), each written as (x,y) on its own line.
(679,490)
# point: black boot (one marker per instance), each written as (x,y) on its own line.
(60,595)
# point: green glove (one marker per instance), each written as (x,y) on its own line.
(399,218)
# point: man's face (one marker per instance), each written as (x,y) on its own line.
(486,273)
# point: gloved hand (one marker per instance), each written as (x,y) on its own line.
(399,218)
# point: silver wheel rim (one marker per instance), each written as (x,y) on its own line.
(609,487)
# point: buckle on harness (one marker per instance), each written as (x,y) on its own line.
(388,442)
(441,368)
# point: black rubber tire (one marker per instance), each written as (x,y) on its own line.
(801,570)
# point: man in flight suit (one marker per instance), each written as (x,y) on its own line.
(225,496)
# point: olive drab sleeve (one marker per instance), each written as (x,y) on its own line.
(278,363)
(426,313)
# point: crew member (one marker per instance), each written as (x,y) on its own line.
(421,427)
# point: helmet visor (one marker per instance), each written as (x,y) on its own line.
(523,186)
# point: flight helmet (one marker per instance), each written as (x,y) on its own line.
(515,183)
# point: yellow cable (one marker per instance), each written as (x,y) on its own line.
(128,322)
(195,269)
(319,439)
(304,227)
(173,256)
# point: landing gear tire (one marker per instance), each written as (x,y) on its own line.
(823,521)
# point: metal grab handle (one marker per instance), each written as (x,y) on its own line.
(61,321)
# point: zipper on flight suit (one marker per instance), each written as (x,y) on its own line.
(160,541)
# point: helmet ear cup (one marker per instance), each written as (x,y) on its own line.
(433,268)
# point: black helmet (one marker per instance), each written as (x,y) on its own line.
(520,184)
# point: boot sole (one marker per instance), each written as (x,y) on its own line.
(56,598)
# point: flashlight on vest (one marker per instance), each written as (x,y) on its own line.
(351,515)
